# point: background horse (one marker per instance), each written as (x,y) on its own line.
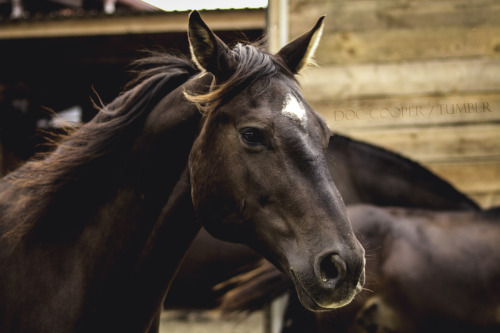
(363,173)
(427,271)
(431,271)
(92,233)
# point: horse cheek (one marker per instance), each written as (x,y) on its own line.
(216,195)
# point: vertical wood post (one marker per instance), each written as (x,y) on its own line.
(277,24)
(274,313)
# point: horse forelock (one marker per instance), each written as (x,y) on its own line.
(94,148)
(252,64)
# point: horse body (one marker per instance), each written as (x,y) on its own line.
(85,231)
(365,173)
(431,271)
(82,267)
(427,271)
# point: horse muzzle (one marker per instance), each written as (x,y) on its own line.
(333,283)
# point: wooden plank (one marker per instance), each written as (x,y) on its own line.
(467,143)
(409,111)
(486,200)
(478,177)
(369,15)
(348,47)
(380,31)
(401,79)
(135,24)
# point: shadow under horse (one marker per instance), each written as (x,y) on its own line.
(92,234)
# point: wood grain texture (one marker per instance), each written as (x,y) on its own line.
(420,78)
(409,111)
(401,79)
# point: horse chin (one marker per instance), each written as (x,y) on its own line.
(311,304)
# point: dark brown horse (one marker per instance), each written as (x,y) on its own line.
(427,271)
(431,271)
(363,173)
(92,234)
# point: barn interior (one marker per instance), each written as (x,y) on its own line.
(64,56)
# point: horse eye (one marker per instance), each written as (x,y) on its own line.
(252,136)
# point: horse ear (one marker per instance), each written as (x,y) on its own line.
(209,52)
(300,52)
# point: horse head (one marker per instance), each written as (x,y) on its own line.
(257,168)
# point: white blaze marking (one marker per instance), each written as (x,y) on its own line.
(292,108)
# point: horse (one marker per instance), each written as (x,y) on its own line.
(427,271)
(91,234)
(366,173)
(363,173)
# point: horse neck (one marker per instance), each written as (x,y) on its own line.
(367,170)
(115,226)
(153,178)
(370,223)
(153,204)
(373,227)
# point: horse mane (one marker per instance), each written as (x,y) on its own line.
(252,63)
(420,172)
(89,155)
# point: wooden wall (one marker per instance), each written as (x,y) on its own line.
(421,78)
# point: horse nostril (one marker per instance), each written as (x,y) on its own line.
(331,268)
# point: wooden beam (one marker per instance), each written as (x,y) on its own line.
(277,25)
(162,22)
(474,177)
(439,145)
(440,77)
(387,15)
